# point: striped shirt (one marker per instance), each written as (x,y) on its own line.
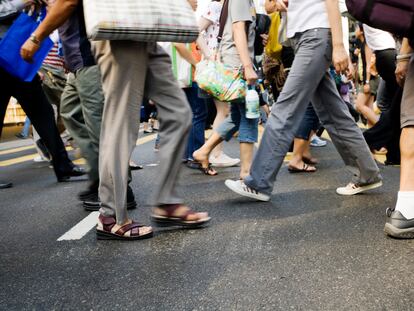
(53,59)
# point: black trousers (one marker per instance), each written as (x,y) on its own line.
(385,62)
(386,132)
(32,99)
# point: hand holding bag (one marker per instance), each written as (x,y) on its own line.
(16,36)
(140,20)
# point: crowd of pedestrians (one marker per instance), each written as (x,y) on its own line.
(298,53)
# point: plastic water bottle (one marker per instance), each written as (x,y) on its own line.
(252,103)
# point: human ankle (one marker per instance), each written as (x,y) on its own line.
(405,204)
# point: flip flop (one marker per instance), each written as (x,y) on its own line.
(311,161)
(304,169)
(209,170)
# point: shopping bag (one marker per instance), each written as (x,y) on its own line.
(222,82)
(395,16)
(181,68)
(148,21)
(16,36)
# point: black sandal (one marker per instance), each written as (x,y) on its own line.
(305,169)
(209,170)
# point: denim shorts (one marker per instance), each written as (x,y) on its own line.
(237,121)
(310,122)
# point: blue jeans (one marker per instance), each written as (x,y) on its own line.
(199,109)
(237,121)
(309,123)
(26,127)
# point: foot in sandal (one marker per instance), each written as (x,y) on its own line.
(203,161)
(304,168)
(178,215)
(108,229)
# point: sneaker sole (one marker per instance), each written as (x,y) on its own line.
(395,232)
(245,194)
(361,189)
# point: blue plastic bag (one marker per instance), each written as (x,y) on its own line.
(16,36)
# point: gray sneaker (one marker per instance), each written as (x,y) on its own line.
(355,188)
(398,226)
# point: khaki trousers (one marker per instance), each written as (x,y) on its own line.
(129,71)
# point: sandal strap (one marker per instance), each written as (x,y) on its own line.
(171,208)
(129,227)
(108,222)
(208,169)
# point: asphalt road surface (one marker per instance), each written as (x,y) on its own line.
(307,249)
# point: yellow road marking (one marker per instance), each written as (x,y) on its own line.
(18,160)
(80,161)
(30,157)
(14,150)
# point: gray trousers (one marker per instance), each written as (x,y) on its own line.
(309,79)
(129,71)
(81,108)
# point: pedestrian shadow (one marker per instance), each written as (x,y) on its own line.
(290,204)
(159,231)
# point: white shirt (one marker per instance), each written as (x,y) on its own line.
(306,14)
(342,6)
(377,39)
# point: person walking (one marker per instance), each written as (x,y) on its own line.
(315,29)
(209,25)
(31,97)
(147,67)
(400,219)
(236,50)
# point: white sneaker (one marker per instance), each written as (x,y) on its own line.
(241,188)
(352,188)
(317,142)
(223,160)
(40,159)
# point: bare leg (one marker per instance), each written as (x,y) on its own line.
(364,105)
(246,158)
(202,155)
(307,155)
(223,110)
(407,159)
(299,148)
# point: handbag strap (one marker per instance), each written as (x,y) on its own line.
(223,19)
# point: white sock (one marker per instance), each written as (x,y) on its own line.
(405,204)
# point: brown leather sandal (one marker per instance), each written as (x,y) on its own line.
(170,219)
(104,230)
